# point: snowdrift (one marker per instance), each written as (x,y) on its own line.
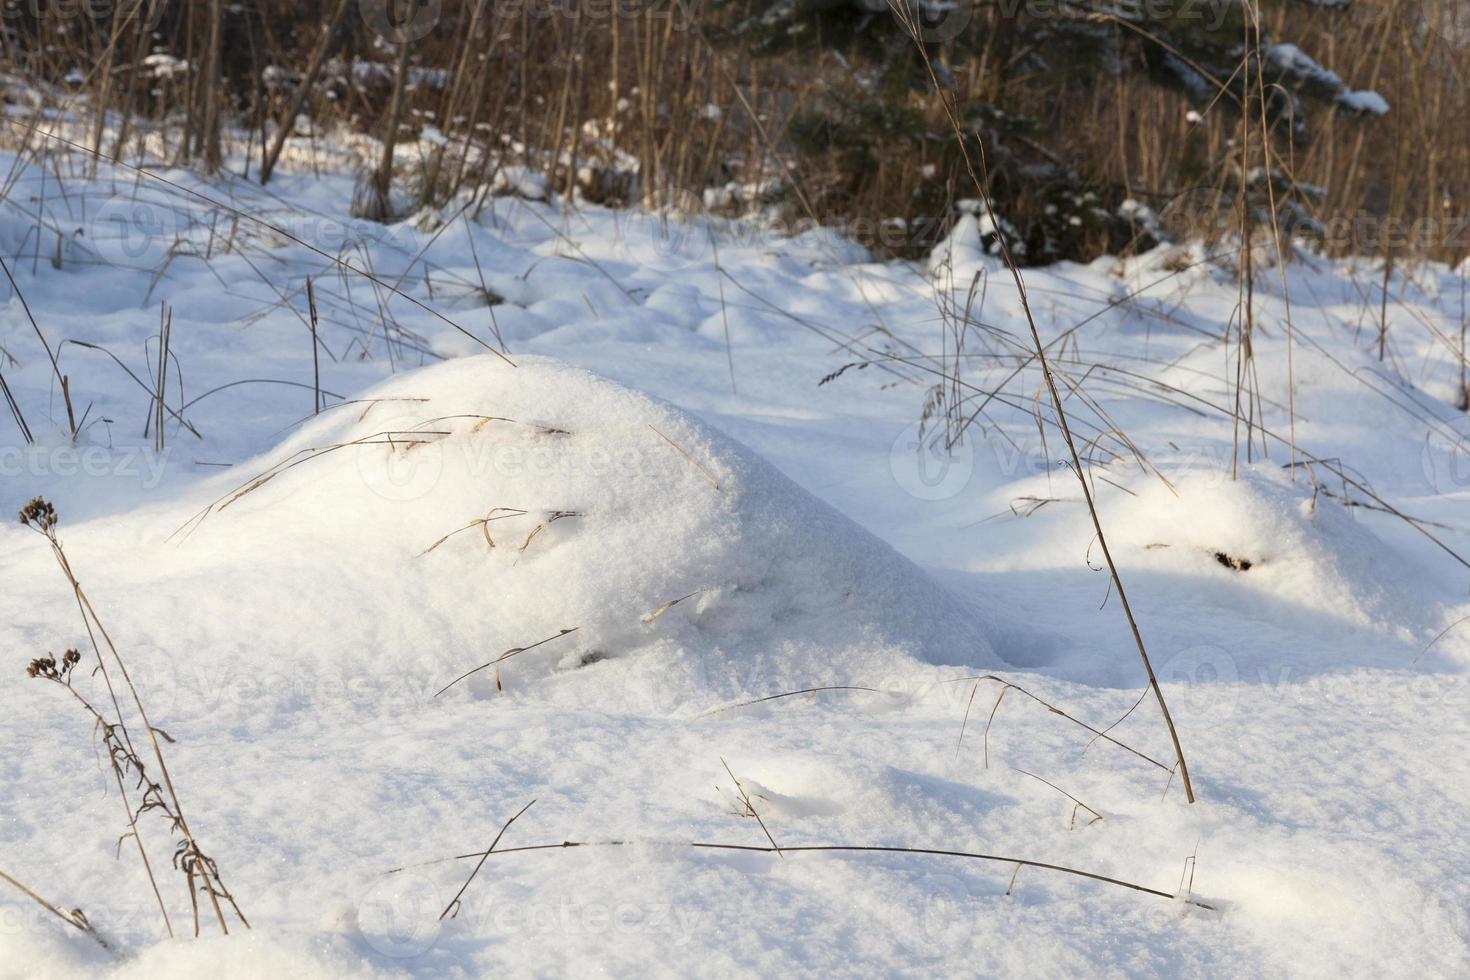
(475,507)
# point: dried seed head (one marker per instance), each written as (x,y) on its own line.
(39,514)
(44,667)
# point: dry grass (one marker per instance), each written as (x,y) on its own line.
(612,104)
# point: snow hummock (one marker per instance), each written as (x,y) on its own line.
(1266,532)
(481,506)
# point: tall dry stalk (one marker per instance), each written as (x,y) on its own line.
(1464,403)
(982,189)
(286,125)
(374,200)
(211,91)
(1253,14)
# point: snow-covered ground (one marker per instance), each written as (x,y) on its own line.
(659,431)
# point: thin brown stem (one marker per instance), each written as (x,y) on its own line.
(981,187)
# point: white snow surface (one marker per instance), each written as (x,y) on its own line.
(667,397)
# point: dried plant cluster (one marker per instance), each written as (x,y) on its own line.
(144,786)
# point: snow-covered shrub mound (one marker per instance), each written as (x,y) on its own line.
(473,507)
(1271,534)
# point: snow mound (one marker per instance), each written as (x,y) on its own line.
(1269,534)
(473,507)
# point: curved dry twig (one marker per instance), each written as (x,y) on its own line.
(454,902)
(72,917)
(1058,711)
(513,651)
(844,849)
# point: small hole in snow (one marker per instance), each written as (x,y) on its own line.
(1234,564)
